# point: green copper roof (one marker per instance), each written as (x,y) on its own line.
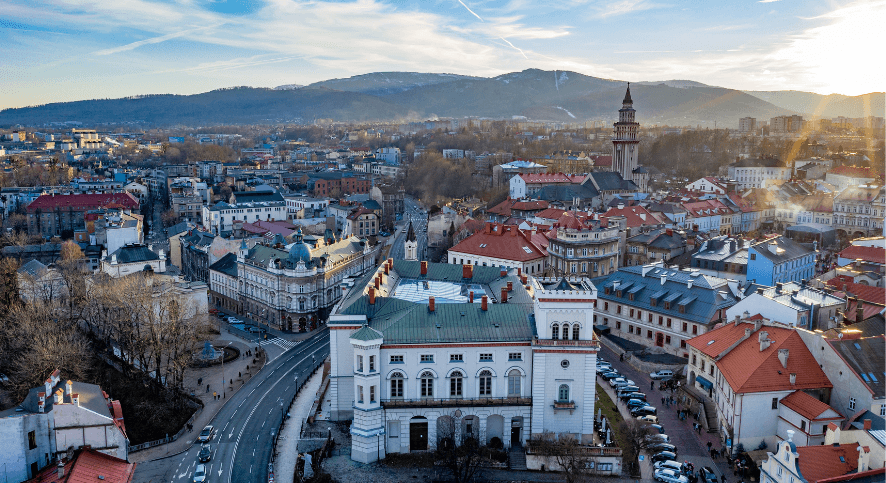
(366,333)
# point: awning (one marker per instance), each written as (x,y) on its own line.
(704,382)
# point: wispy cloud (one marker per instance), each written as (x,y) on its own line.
(622,7)
(154,40)
(469,10)
(768,1)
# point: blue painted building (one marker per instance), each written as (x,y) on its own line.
(779,259)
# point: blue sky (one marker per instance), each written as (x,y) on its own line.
(82,49)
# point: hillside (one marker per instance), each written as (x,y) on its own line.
(382,83)
(811,104)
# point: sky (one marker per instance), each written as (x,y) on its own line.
(65,50)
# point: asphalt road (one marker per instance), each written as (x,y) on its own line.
(419,219)
(246,425)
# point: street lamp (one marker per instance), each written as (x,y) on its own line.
(223,368)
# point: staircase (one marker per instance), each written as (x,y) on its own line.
(708,411)
(517,458)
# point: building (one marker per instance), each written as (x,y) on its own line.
(626,145)
(132,259)
(87,464)
(758,173)
(527,185)
(391,199)
(843,177)
(50,215)
(336,183)
(708,184)
(499,245)
(875,256)
(55,417)
(859,211)
(865,429)
(747,124)
(780,259)
(707,215)
(792,304)
(410,245)
(723,257)
(583,247)
(219,219)
(195,255)
(786,124)
(653,246)
(37,281)
(831,463)
(664,307)
(805,419)
(187,207)
(362,223)
(421,352)
(745,368)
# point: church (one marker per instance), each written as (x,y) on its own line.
(626,145)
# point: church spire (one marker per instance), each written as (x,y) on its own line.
(628,96)
(410,233)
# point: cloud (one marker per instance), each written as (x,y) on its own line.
(622,7)
(154,40)
(469,10)
(768,1)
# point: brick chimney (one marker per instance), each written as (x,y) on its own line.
(467,271)
(387,268)
(431,303)
(669,232)
(504,295)
(510,286)
(503,272)
(783,357)
(484,303)
(859,313)
(377,281)
(519,272)
(75,398)
(69,387)
(867,424)
(471,296)
(371,295)
(424,268)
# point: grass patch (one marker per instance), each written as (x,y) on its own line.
(610,411)
(409,460)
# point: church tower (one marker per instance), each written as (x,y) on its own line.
(410,246)
(626,144)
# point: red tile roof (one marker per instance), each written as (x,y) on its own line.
(853,171)
(550,214)
(868,254)
(602,160)
(506,242)
(806,405)
(636,216)
(538,178)
(868,310)
(87,466)
(117,411)
(530,205)
(864,292)
(748,369)
(84,202)
(821,462)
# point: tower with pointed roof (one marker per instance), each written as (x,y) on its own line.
(626,144)
(410,246)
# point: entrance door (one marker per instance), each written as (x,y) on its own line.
(659,340)
(418,435)
(515,435)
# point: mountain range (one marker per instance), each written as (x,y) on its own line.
(384,96)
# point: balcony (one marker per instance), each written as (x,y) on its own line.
(455,402)
(564,405)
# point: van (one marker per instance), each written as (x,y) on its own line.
(661,375)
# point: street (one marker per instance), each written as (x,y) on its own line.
(419,219)
(246,425)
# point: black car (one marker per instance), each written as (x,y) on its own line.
(664,456)
(707,475)
(635,403)
(659,447)
(644,411)
(609,375)
(205,454)
(631,395)
(624,389)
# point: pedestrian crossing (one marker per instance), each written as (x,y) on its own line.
(282,343)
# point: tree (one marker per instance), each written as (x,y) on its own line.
(9,282)
(168,217)
(635,432)
(456,451)
(568,453)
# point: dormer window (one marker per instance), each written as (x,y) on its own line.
(667,306)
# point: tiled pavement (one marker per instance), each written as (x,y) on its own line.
(691,446)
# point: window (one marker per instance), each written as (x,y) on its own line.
(668,340)
(359,394)
(669,322)
(427,384)
(775,403)
(694,330)
(802,425)
(396,359)
(555,332)
(694,360)
(685,326)
(455,384)
(371,363)
(660,320)
(630,329)
(515,356)
(564,363)
(883,410)
(485,357)
(648,334)
(397,385)
(359,363)
(485,383)
(852,404)
(618,309)
(606,306)
(372,394)
(618,324)
(575,332)
(427,357)
(753,256)
(682,344)
(32,440)
(563,393)
(514,383)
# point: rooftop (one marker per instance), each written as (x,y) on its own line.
(866,358)
(780,249)
(868,254)
(806,405)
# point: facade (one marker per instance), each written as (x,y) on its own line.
(779,259)
(806,417)
(651,247)
(187,207)
(195,259)
(582,247)
(460,358)
(758,173)
(36,281)
(859,211)
(132,259)
(361,223)
(500,246)
(219,219)
(708,184)
(745,368)
(657,306)
(391,199)
(792,304)
(843,177)
(747,124)
(336,183)
(830,463)
(626,145)
(50,215)
(723,257)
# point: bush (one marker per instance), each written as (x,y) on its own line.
(495,443)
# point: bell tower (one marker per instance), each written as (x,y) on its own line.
(410,246)
(625,142)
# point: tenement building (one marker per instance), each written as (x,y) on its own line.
(583,247)
(664,307)
(422,353)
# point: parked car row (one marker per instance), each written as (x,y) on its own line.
(205,454)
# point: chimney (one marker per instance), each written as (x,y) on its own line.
(621,206)
(773,247)
(60,469)
(663,279)
(760,290)
(75,398)
(867,424)
(378,281)
(387,268)
(69,387)
(859,313)
(510,286)
(504,272)
(519,272)
(467,271)
(669,232)
(41,405)
(737,320)
(431,303)
(59,396)
(783,357)
(524,278)
(371,295)
(793,376)
(778,287)
(765,342)
(471,296)
(758,324)
(484,303)
(832,435)
(424,268)
(48,385)
(864,455)
(504,295)
(747,332)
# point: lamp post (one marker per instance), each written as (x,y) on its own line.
(223,368)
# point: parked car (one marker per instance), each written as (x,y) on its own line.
(635,403)
(200,474)
(234,320)
(663,456)
(206,435)
(648,419)
(205,454)
(707,475)
(637,395)
(626,389)
(657,427)
(670,476)
(659,447)
(656,438)
(669,465)
(662,374)
(603,369)
(610,375)
(644,411)
(619,382)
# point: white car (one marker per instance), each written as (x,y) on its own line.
(670,476)
(648,419)
(668,465)
(661,375)
(623,382)
(200,474)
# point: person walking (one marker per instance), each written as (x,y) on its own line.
(710,445)
(652,385)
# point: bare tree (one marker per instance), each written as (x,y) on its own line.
(569,455)
(457,451)
(635,432)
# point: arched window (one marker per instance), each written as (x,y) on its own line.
(555,332)
(397,385)
(514,383)
(485,383)
(455,384)
(563,393)
(565,331)
(427,384)
(575,330)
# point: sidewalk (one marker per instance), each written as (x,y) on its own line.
(212,377)
(287,446)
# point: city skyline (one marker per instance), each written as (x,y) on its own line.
(78,50)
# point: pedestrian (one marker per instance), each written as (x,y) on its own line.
(652,385)
(662,401)
(710,445)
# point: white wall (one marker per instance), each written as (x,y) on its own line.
(16,457)
(758,304)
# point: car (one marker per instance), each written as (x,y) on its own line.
(637,395)
(662,374)
(707,475)
(663,456)
(657,427)
(200,474)
(644,411)
(670,476)
(206,435)
(625,383)
(659,447)
(648,418)
(234,320)
(656,438)
(635,403)
(603,369)
(205,453)
(609,375)
(621,381)
(673,465)
(626,390)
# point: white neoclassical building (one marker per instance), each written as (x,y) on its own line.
(422,353)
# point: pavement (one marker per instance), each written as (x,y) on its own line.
(246,424)
(691,445)
(287,446)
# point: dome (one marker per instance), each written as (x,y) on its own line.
(300,251)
